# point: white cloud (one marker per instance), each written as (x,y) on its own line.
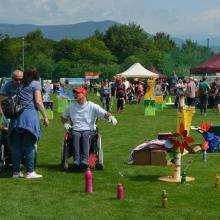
(170,16)
(212,15)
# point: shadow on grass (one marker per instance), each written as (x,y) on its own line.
(50,167)
(57,167)
(5,173)
(149,178)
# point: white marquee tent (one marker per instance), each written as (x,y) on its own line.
(137,71)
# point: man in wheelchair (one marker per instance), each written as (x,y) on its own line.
(83,115)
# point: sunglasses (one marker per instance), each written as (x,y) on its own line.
(18,80)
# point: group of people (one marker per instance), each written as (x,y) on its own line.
(24,131)
(191,91)
(188,91)
(127,91)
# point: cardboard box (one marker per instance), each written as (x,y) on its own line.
(155,157)
(142,157)
(158,158)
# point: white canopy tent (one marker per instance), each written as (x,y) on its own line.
(137,71)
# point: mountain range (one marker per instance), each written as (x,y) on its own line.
(86,29)
(58,32)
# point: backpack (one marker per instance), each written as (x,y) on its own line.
(180,92)
(11,106)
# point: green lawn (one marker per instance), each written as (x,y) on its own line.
(60,195)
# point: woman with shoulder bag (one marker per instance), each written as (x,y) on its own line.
(25,131)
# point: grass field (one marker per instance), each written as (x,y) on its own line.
(60,195)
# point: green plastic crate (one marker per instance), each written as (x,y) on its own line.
(49,114)
(62,104)
(149,108)
(159,107)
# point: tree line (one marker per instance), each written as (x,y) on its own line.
(108,53)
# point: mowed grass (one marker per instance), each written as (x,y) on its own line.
(61,195)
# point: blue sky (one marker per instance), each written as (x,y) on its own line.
(182,18)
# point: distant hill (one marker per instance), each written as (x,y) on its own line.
(57,32)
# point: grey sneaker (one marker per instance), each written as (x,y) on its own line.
(33,175)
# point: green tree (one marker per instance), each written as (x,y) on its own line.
(10,56)
(163,42)
(131,60)
(62,69)
(126,40)
(94,51)
(63,49)
(193,54)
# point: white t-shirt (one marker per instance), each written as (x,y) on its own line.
(127,84)
(84,116)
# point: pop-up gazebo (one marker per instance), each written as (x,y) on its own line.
(154,70)
(137,71)
(211,65)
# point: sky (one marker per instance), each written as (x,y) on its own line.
(179,18)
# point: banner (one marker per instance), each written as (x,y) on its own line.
(77,81)
(91,75)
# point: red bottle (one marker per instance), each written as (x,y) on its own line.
(120,192)
(88,180)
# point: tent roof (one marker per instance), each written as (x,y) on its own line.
(154,70)
(210,66)
(137,71)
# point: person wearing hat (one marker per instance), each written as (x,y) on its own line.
(83,114)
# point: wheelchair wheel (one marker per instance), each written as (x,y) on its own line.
(2,164)
(64,155)
(2,159)
(99,164)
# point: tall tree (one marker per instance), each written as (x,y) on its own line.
(126,40)
(163,42)
(63,49)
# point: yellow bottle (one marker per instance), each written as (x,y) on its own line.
(217,180)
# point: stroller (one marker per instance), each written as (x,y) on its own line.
(5,159)
(5,152)
(95,151)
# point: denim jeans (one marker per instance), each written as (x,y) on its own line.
(22,143)
(203,103)
(81,140)
(106,102)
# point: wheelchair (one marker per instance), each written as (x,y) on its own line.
(95,151)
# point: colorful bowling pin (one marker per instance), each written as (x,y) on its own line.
(120,192)
(88,181)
